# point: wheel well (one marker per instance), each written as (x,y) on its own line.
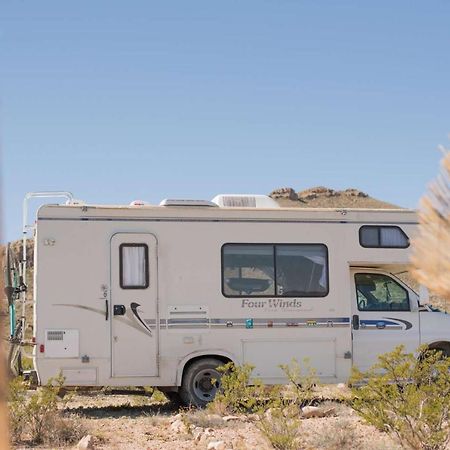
(441,345)
(222,358)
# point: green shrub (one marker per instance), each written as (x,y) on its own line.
(302,382)
(35,417)
(238,392)
(17,407)
(407,397)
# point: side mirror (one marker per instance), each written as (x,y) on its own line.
(424,295)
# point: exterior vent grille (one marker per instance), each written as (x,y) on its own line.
(239,202)
(245,201)
(55,335)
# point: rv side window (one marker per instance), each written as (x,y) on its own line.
(378,292)
(134,266)
(268,270)
(382,237)
(248,270)
(301,270)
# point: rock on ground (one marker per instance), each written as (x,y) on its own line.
(314,411)
(86,442)
(217,445)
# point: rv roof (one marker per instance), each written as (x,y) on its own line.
(202,213)
(186,202)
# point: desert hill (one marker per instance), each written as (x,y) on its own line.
(324,197)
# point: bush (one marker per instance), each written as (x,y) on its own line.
(35,416)
(16,406)
(240,393)
(407,397)
(302,381)
(281,431)
(237,392)
(281,423)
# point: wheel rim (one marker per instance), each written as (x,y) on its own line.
(204,387)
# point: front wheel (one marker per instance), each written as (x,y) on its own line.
(201,382)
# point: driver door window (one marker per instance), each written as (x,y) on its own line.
(378,292)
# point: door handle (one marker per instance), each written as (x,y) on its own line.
(119,310)
(355,321)
(106,310)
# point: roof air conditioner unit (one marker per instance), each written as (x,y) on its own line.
(245,201)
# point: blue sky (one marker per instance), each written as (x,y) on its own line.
(117,101)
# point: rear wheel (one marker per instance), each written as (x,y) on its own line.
(173,397)
(201,381)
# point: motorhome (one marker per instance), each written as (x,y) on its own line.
(162,295)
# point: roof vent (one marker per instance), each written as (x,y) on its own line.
(245,201)
(187,202)
(75,202)
(139,203)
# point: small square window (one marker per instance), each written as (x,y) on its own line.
(134,273)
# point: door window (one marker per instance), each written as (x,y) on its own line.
(134,266)
(378,292)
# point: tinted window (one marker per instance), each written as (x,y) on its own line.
(301,270)
(267,270)
(377,292)
(382,237)
(134,266)
(248,270)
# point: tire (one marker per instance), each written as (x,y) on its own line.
(174,398)
(445,352)
(197,388)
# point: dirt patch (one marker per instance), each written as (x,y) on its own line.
(138,422)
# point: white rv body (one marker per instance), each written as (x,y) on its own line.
(98,332)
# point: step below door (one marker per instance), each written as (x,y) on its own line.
(133,309)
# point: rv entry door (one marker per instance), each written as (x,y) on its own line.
(134,309)
(384,315)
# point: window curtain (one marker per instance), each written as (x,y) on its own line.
(392,237)
(133,266)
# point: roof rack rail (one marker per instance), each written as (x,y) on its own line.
(187,202)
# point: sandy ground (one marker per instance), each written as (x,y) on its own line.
(136,422)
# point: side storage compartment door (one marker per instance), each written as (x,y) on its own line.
(384,315)
(134,305)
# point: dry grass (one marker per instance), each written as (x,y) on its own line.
(345,434)
(282,432)
(204,419)
(431,257)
